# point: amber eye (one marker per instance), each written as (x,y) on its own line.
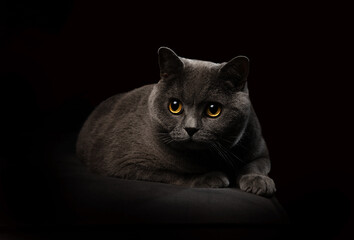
(175,106)
(213,110)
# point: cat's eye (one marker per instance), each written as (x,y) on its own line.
(213,110)
(175,106)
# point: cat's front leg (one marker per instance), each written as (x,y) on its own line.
(211,180)
(139,171)
(253,178)
(258,184)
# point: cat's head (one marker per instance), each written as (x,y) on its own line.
(198,103)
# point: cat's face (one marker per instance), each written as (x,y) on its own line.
(198,103)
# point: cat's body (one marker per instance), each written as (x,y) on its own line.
(169,132)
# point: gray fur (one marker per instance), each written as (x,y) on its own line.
(134,135)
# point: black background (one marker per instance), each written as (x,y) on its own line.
(59,59)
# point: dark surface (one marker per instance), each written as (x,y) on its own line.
(65,197)
(59,59)
(92,199)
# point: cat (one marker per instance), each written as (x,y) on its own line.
(196,127)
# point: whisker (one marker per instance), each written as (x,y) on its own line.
(223,155)
(231,153)
(231,142)
(165,137)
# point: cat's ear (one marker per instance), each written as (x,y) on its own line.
(236,71)
(170,63)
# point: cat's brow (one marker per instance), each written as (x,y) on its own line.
(197,87)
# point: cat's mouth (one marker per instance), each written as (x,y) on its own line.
(182,142)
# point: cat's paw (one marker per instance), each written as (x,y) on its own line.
(257,184)
(212,180)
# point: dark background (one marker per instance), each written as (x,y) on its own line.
(59,59)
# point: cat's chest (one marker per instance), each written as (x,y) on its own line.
(160,156)
(184,160)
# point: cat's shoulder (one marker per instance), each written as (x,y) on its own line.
(123,101)
(133,97)
(140,92)
(128,97)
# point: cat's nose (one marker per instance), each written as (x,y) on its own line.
(191,131)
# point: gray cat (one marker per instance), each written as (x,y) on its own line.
(195,127)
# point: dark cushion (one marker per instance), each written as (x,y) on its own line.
(93,199)
(48,192)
